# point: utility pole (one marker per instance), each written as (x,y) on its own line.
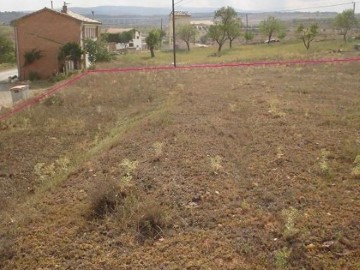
(161,27)
(354,6)
(247,22)
(173,22)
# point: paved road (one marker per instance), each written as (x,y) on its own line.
(5,95)
(4,75)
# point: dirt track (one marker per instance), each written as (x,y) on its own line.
(239,181)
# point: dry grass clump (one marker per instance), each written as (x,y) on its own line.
(7,250)
(105,196)
(54,100)
(356,170)
(151,223)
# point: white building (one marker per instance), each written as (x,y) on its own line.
(137,43)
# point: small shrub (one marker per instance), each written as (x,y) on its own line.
(34,76)
(151,223)
(324,165)
(54,100)
(274,109)
(290,215)
(7,250)
(105,197)
(63,163)
(59,77)
(44,172)
(281,258)
(215,163)
(158,150)
(356,170)
(32,56)
(129,167)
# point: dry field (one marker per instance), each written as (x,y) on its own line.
(234,168)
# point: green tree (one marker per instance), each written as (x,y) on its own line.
(127,36)
(97,51)
(123,37)
(248,35)
(307,34)
(270,26)
(153,40)
(345,21)
(7,49)
(187,33)
(227,26)
(218,33)
(72,51)
(233,31)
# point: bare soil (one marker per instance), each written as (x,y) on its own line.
(235,168)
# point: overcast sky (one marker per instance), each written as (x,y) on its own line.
(248,5)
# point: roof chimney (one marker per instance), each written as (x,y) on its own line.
(64,8)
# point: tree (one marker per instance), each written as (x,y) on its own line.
(153,40)
(307,34)
(7,50)
(218,33)
(234,31)
(345,21)
(97,51)
(231,24)
(72,51)
(248,36)
(270,26)
(187,33)
(127,36)
(123,37)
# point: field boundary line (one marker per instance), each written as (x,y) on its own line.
(58,87)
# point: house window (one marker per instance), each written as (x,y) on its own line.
(90,32)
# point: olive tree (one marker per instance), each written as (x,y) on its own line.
(234,31)
(218,34)
(270,26)
(187,33)
(345,21)
(226,27)
(248,35)
(307,34)
(153,40)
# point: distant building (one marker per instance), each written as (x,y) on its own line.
(181,18)
(47,31)
(137,43)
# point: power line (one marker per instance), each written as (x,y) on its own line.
(325,6)
(181,3)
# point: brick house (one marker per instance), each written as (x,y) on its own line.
(47,31)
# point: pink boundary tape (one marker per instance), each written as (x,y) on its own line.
(33,101)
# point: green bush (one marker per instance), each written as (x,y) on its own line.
(34,76)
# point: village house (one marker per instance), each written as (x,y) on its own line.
(43,33)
